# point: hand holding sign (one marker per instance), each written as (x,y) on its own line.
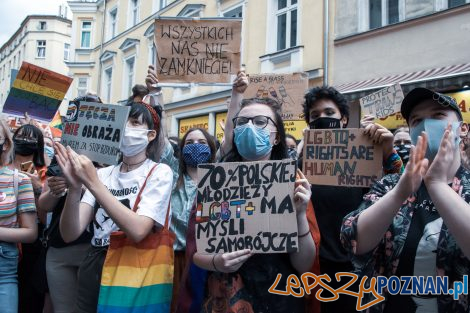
(240,84)
(231,261)
(302,193)
(378,133)
(151,80)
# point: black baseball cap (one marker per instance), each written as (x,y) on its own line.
(420,94)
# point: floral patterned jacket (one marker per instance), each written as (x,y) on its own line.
(383,260)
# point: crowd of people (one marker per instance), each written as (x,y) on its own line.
(58,209)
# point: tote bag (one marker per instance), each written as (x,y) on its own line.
(138,277)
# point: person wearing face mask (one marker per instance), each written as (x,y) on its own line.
(17,221)
(110,196)
(256,133)
(326,108)
(291,146)
(416,224)
(402,143)
(29,149)
(196,147)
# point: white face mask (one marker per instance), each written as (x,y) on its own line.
(135,141)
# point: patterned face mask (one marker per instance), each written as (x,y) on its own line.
(196,153)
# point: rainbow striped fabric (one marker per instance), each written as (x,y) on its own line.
(138,278)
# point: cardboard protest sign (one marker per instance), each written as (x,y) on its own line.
(246,205)
(37,91)
(95,130)
(287,89)
(384,102)
(197,50)
(341,157)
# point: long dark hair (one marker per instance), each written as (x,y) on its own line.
(137,110)
(183,169)
(31,131)
(279,151)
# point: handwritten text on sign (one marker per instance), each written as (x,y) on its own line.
(287,89)
(204,51)
(246,206)
(384,102)
(341,157)
(37,91)
(95,130)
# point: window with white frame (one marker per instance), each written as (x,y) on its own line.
(107,82)
(152,53)
(82,87)
(19,58)
(236,12)
(129,78)
(66,51)
(14,62)
(286,23)
(158,5)
(85,41)
(134,12)
(41,48)
(112,23)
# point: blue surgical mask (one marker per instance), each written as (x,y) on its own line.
(435,130)
(252,142)
(49,151)
(196,153)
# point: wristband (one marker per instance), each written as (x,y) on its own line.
(303,235)
(213,263)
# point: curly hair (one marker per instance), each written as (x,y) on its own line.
(325,92)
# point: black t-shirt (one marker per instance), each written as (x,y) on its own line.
(331,205)
(55,238)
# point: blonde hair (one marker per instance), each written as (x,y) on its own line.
(6,155)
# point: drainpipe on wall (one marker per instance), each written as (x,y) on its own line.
(326,28)
(101,49)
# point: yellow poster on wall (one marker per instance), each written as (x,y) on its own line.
(186,123)
(463,100)
(295,128)
(220,119)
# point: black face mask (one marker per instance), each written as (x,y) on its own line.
(404,152)
(325,123)
(25,148)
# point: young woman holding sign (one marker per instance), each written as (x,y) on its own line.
(240,280)
(111,193)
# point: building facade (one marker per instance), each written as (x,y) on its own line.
(113,43)
(43,40)
(417,43)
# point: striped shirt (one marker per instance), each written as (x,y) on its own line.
(8,202)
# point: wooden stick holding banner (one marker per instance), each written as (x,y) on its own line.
(341,157)
(37,91)
(95,130)
(246,205)
(197,50)
(384,102)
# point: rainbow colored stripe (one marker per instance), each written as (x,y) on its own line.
(137,278)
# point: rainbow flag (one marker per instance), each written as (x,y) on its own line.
(138,278)
(56,121)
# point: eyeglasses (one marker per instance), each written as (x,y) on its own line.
(259,121)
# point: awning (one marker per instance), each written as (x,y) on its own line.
(408,78)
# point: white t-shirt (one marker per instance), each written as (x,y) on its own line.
(125,187)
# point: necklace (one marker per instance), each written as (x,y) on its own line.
(129,165)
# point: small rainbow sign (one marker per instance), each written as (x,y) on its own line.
(37,91)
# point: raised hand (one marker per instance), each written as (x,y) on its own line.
(439,170)
(65,164)
(231,261)
(416,167)
(378,133)
(241,82)
(302,193)
(151,78)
